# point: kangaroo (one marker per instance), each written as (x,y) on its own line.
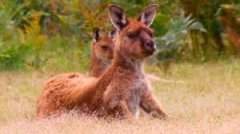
(101,52)
(123,87)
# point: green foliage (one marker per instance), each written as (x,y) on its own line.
(11,53)
(12,57)
(56,34)
(22,44)
(59,53)
(173,44)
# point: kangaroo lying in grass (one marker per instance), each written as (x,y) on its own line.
(101,56)
(123,88)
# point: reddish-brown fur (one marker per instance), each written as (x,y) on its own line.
(123,88)
(101,53)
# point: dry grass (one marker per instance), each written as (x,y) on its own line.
(199,99)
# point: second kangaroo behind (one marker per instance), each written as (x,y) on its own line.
(101,52)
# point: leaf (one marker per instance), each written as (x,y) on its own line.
(197,26)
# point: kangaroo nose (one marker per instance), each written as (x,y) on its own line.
(150,46)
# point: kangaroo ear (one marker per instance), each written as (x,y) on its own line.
(96,34)
(112,34)
(118,17)
(148,14)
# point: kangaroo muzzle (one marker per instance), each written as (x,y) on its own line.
(150,46)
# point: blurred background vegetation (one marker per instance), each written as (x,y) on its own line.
(56,34)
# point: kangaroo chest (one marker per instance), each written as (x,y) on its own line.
(135,93)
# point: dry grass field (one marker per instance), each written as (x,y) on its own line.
(200,99)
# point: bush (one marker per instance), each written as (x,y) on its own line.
(55,34)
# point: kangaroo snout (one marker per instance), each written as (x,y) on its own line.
(150,46)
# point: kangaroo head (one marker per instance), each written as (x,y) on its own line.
(103,46)
(135,35)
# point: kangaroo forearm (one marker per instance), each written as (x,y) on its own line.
(150,105)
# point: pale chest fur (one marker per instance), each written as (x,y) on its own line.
(139,86)
(129,89)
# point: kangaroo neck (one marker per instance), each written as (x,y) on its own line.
(127,63)
(97,66)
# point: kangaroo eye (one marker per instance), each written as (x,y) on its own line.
(132,35)
(104,47)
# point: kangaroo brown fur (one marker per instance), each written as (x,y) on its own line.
(123,88)
(101,52)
